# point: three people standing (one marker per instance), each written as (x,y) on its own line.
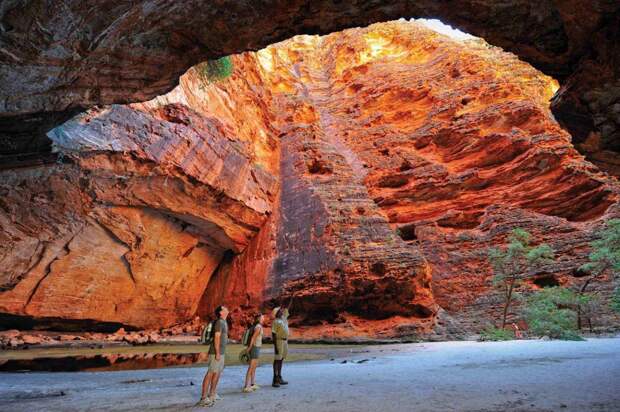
(216,335)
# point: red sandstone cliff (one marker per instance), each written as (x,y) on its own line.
(59,58)
(362,174)
(404,157)
(141,207)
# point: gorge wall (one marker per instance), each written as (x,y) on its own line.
(59,58)
(141,207)
(360,175)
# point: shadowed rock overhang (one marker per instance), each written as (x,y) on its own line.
(58,58)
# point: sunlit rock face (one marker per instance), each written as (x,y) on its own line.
(143,205)
(360,175)
(59,58)
(404,156)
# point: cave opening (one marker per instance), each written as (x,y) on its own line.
(160,159)
(223,153)
(546,281)
(580,272)
(407,233)
(378,268)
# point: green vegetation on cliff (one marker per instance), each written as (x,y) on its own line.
(215,70)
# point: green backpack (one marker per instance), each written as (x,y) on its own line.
(206,337)
(247,335)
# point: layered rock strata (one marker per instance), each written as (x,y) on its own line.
(57,58)
(450,145)
(139,210)
(360,176)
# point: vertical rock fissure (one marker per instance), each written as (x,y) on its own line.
(356,230)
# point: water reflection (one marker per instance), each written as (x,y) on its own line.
(105,362)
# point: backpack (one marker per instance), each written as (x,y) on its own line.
(206,337)
(247,335)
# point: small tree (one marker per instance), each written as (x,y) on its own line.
(511,264)
(553,312)
(604,258)
(587,308)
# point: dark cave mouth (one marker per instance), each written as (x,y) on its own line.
(546,281)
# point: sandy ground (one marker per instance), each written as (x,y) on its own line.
(447,376)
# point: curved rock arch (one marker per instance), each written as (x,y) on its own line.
(58,58)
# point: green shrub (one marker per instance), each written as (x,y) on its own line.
(496,334)
(215,70)
(552,312)
(605,259)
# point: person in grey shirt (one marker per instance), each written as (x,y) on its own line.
(217,352)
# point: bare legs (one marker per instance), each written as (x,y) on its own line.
(250,376)
(276,383)
(209,384)
(205,384)
(214,381)
(277,373)
(282,381)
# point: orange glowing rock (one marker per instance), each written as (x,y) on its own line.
(404,156)
(361,175)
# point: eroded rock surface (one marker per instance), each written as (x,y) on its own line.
(138,211)
(405,156)
(57,58)
(360,175)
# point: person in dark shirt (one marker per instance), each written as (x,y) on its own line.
(217,352)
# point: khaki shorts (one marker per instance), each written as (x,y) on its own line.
(214,365)
(280,349)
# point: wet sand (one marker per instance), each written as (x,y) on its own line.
(446,376)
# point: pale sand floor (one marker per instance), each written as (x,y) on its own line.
(446,376)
